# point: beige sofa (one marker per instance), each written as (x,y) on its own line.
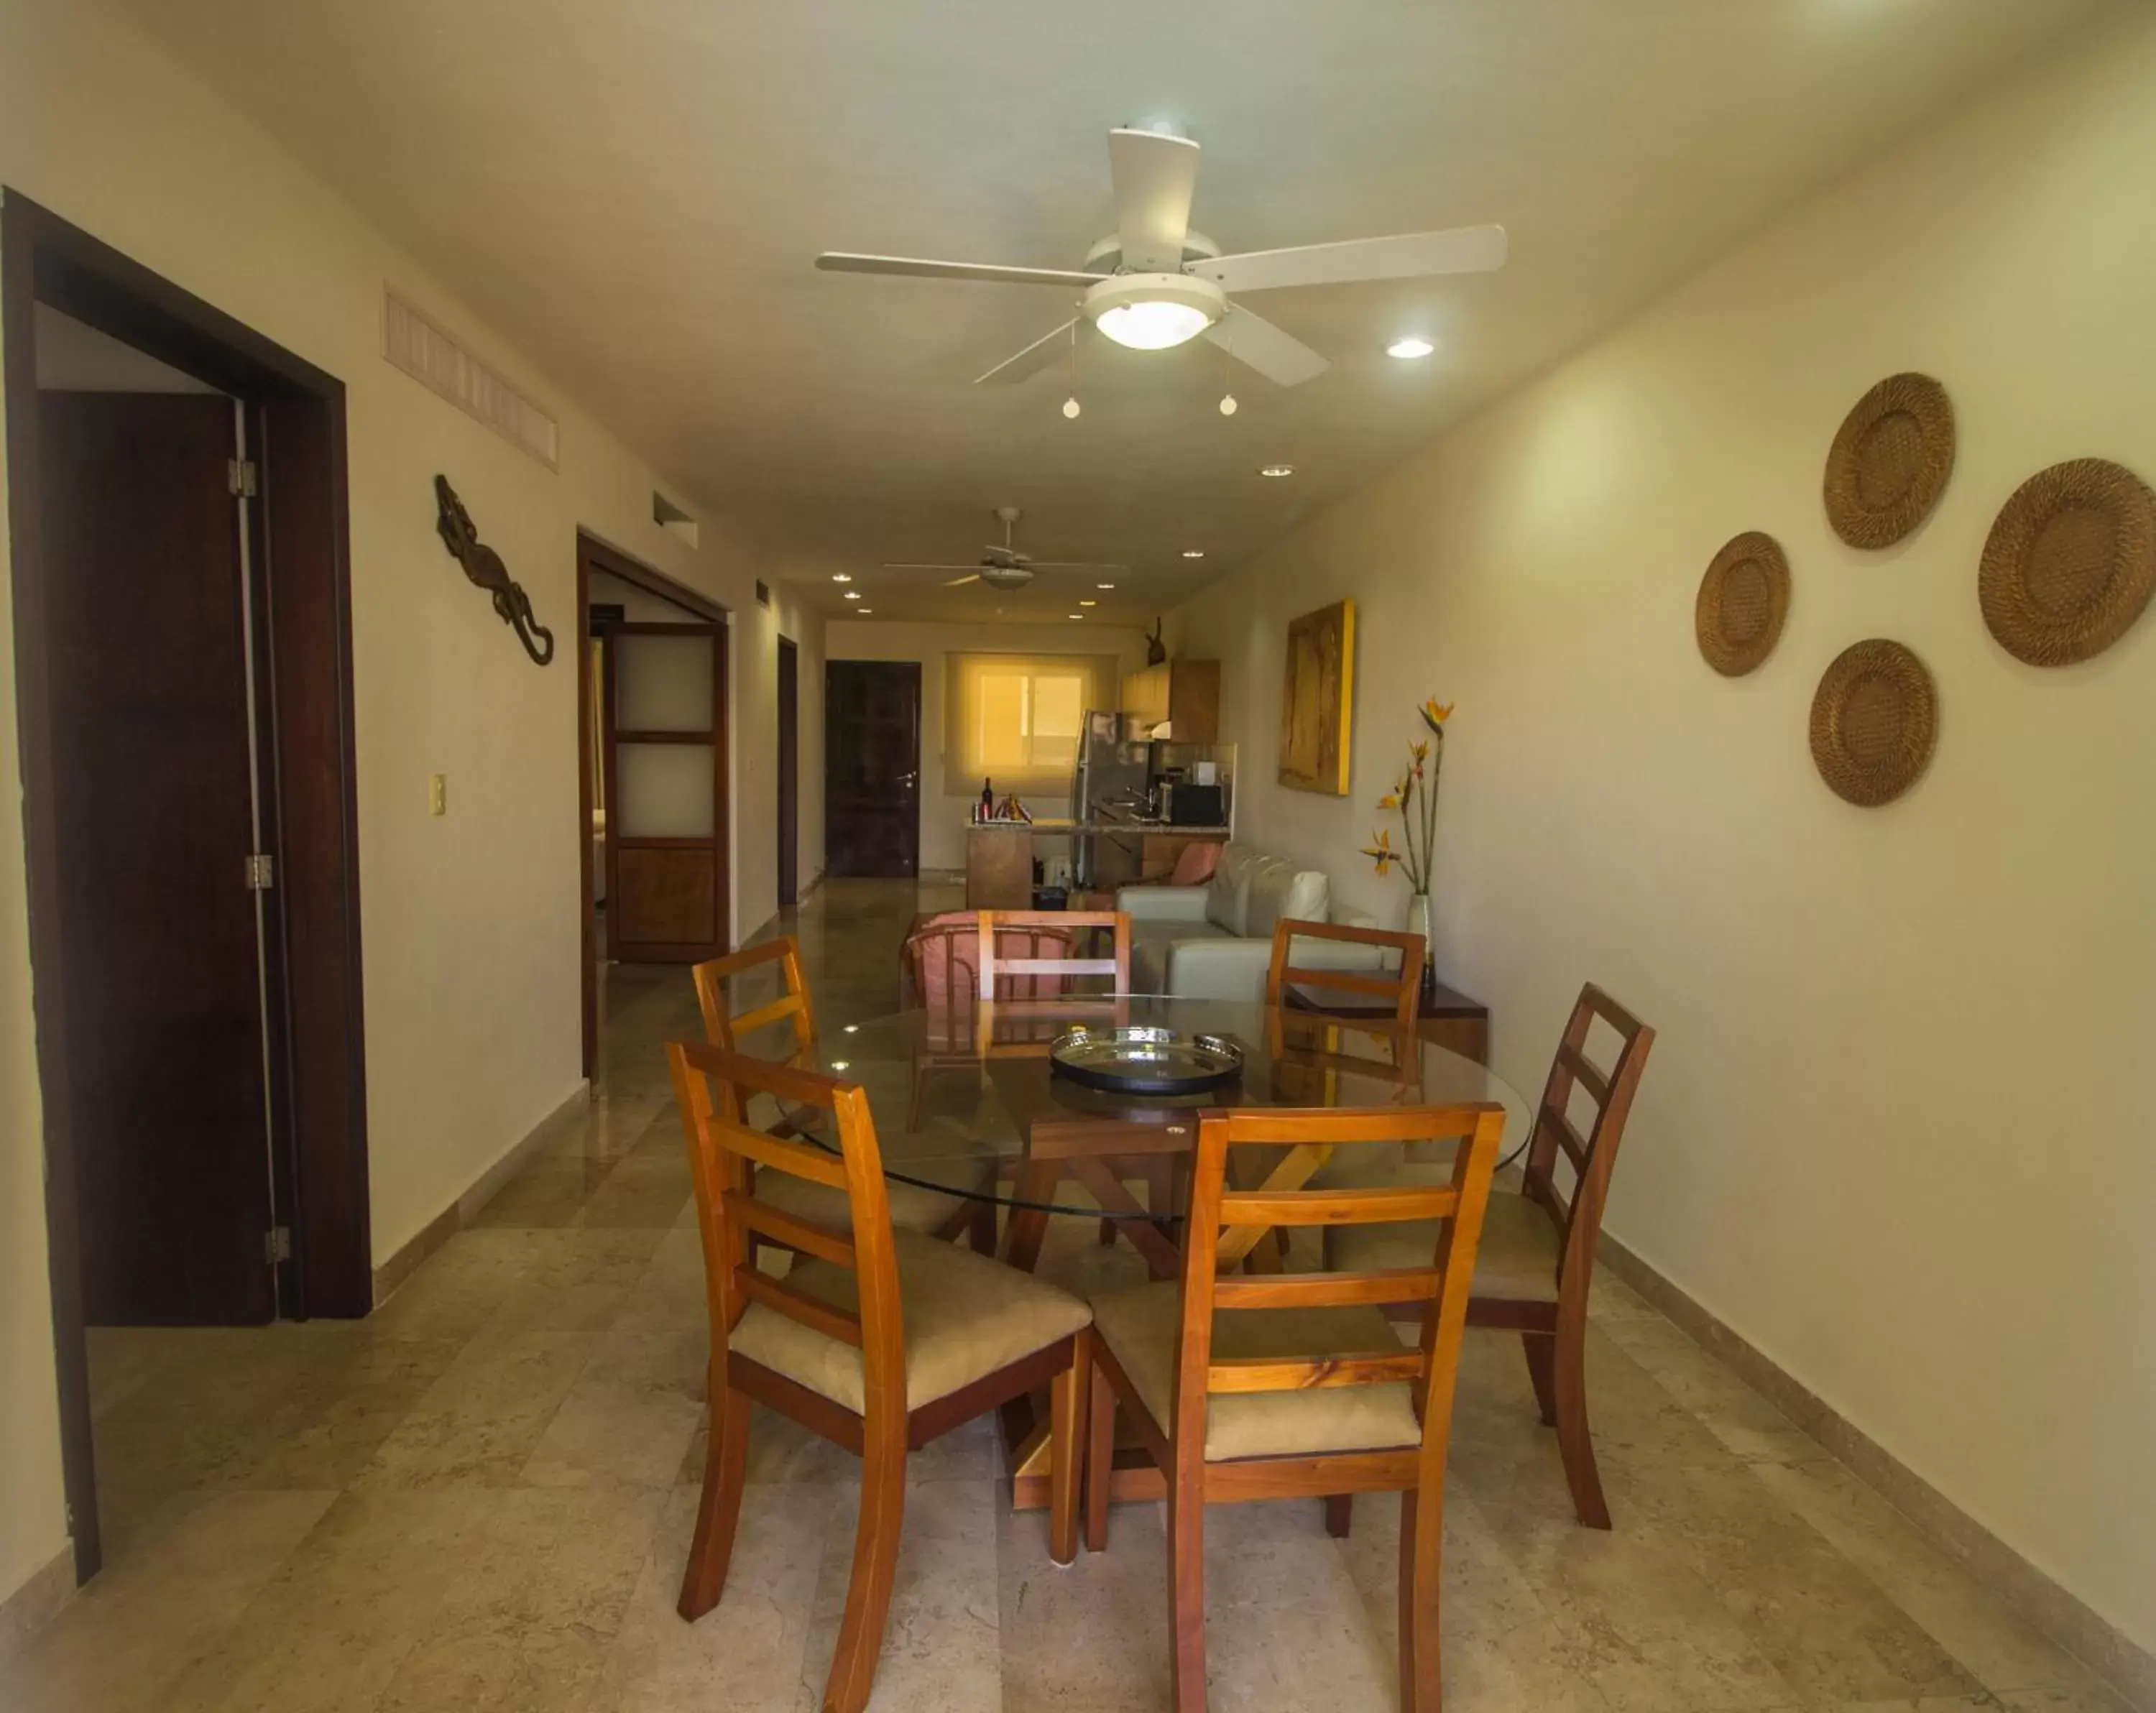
(1216,941)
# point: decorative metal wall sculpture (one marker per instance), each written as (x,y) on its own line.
(483,566)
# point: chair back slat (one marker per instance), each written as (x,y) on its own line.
(997,968)
(1337,1206)
(723,1028)
(1218,1214)
(1401,986)
(712,1086)
(1576,1213)
(788,1231)
(1379,1287)
(1373,1367)
(817,1315)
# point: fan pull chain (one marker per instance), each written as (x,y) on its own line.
(1227,406)
(1070,405)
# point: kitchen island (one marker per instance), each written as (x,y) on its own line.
(999,854)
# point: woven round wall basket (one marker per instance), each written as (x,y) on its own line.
(1742,601)
(1875,718)
(2069,563)
(1890,461)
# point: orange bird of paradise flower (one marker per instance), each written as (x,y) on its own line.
(1383,852)
(1435,712)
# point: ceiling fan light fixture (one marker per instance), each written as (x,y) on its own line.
(1410,347)
(1155,311)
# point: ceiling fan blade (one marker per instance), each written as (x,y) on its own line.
(911,565)
(956,580)
(1154,178)
(1464,249)
(841,262)
(1038,355)
(1275,355)
(1073,564)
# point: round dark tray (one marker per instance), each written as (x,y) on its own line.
(1142,1060)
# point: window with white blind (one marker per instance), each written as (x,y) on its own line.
(1013,719)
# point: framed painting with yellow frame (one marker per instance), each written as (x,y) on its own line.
(1317,701)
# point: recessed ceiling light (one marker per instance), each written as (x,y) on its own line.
(1413,346)
(864,611)
(840,576)
(1089,603)
(1194,552)
(852,595)
(1077,615)
(1104,585)
(1275,470)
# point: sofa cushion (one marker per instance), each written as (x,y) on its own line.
(1152,946)
(1226,893)
(1138,1326)
(1279,888)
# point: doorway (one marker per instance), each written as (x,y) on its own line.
(789,774)
(872,768)
(183,684)
(652,768)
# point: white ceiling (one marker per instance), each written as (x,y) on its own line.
(635,190)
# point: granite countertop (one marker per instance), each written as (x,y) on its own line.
(1065,826)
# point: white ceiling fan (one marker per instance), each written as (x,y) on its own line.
(1168,284)
(1002,567)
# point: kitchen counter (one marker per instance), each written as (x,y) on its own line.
(1048,828)
(999,854)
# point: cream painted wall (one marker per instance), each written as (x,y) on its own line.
(943,816)
(469,922)
(1893,1132)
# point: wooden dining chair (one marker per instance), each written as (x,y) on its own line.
(1537,1254)
(1399,988)
(1321,1400)
(879,1339)
(964,1210)
(1003,976)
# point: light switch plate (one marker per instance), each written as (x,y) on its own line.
(438,794)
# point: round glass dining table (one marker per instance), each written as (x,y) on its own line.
(950,1085)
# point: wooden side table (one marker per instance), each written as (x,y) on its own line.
(1445,1018)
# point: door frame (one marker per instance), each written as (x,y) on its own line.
(595,554)
(788,679)
(296,416)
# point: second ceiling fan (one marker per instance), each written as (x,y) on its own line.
(1002,568)
(1170,284)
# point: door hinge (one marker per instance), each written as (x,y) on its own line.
(261,873)
(277,1244)
(240,477)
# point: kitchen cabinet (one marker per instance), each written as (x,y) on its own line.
(1184,693)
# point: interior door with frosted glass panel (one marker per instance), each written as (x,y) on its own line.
(667,792)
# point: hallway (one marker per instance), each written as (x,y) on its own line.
(480,1499)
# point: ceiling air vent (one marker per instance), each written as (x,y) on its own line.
(425,352)
(762,593)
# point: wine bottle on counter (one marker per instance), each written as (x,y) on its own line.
(988,801)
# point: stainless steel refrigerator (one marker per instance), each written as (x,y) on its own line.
(1108,783)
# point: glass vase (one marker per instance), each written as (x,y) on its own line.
(1419,922)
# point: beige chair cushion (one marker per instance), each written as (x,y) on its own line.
(913,1206)
(1138,1327)
(1516,1258)
(966,1316)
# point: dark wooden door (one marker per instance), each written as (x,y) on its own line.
(872,768)
(666,794)
(154,823)
(789,773)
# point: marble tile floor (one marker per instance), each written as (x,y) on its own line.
(480,1499)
